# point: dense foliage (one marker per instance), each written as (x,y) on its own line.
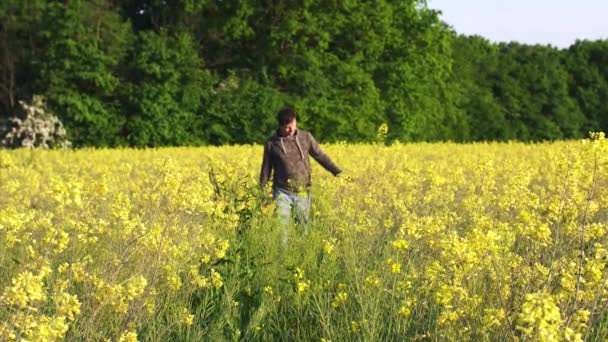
(157,73)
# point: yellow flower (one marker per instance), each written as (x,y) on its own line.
(400,244)
(216,279)
(128,336)
(299,274)
(67,305)
(302,286)
(220,251)
(329,245)
(354,327)
(26,288)
(135,287)
(372,280)
(539,317)
(186,318)
(268,289)
(404,311)
(339,299)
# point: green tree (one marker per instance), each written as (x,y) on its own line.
(532,88)
(77,71)
(588,68)
(163,90)
(412,73)
(19,45)
(155,72)
(240,110)
(474,69)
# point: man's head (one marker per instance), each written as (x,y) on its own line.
(287,118)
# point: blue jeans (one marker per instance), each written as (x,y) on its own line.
(288,204)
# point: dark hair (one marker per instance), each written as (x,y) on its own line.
(286,115)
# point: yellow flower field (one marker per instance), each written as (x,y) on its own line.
(486,241)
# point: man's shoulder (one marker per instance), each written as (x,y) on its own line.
(304,134)
(271,138)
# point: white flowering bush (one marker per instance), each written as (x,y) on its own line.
(37,128)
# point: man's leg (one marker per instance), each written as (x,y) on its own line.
(302,207)
(284,205)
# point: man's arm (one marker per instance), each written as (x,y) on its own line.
(322,158)
(266,167)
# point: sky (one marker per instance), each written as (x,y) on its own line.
(555,22)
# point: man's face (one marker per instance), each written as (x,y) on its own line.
(288,129)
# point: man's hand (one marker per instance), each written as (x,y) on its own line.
(266,200)
(345,177)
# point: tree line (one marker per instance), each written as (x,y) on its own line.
(196,72)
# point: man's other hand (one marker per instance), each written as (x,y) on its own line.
(345,177)
(266,200)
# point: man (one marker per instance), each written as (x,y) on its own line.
(287,152)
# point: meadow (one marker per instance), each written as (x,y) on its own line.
(484,242)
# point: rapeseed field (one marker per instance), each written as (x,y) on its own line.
(484,241)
